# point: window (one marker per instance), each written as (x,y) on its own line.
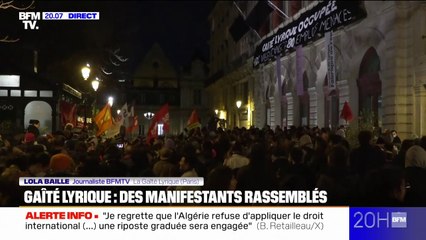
(212,27)
(143,98)
(162,99)
(160,129)
(306,3)
(30,93)
(285,7)
(245,92)
(370,85)
(45,93)
(9,80)
(295,6)
(197,97)
(172,99)
(15,93)
(3,93)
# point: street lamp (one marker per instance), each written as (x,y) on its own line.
(238,103)
(216,111)
(110,101)
(148,115)
(95,84)
(85,71)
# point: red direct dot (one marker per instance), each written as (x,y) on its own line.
(96,216)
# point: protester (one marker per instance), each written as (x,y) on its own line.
(229,159)
(33,127)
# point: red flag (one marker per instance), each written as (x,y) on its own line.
(161,117)
(135,124)
(68,113)
(346,112)
(193,121)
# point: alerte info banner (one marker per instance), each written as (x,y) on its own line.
(277,222)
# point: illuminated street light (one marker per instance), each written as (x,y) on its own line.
(238,103)
(216,111)
(110,101)
(95,84)
(85,71)
(148,115)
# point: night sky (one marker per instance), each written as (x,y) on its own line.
(180,27)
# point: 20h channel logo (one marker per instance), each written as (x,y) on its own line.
(373,219)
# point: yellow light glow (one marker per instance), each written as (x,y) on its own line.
(222,114)
(95,84)
(85,71)
(238,103)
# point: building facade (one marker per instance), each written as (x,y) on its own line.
(379,68)
(156,82)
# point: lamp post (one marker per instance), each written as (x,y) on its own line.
(149,116)
(85,72)
(238,103)
(110,101)
(95,86)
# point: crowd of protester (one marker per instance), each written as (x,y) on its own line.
(380,170)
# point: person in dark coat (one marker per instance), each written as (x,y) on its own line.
(367,156)
(34,127)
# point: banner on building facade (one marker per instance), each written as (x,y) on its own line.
(310,26)
(331,66)
(68,113)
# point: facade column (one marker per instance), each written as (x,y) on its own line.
(271,115)
(290,109)
(313,107)
(420,108)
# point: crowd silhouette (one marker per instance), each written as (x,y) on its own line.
(378,171)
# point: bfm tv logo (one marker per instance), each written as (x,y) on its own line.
(29,19)
(380,220)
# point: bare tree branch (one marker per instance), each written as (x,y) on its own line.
(7,40)
(113,63)
(120,58)
(10,4)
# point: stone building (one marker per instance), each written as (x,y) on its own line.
(379,65)
(157,81)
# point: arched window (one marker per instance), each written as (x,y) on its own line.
(370,85)
(41,111)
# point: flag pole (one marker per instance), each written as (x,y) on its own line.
(242,14)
